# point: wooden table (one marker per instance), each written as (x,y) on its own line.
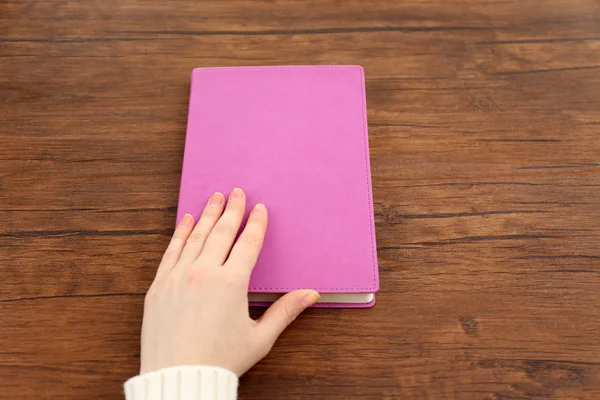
(484,123)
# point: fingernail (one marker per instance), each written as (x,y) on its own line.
(237,194)
(260,208)
(216,199)
(186,220)
(310,298)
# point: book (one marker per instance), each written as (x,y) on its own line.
(294,138)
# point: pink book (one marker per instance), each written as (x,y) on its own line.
(295,139)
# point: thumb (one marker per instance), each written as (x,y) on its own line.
(284,311)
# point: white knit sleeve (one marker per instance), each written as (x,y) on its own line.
(183,383)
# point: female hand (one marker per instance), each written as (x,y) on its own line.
(196,311)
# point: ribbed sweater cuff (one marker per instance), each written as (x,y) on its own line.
(183,383)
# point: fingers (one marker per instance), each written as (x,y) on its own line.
(247,248)
(284,311)
(210,215)
(173,252)
(221,238)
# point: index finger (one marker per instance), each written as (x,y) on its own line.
(246,249)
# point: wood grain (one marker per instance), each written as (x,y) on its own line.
(484,122)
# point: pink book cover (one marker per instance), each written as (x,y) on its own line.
(294,138)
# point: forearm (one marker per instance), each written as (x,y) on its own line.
(183,383)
